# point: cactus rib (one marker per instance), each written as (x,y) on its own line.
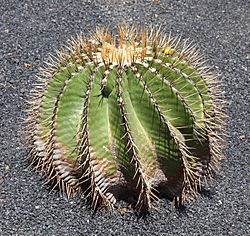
(139,179)
(94,167)
(190,176)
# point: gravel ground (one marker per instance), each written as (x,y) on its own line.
(30,29)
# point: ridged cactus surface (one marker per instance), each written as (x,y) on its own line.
(137,109)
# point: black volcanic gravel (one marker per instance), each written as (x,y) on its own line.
(31,29)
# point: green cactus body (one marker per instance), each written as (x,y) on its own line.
(137,109)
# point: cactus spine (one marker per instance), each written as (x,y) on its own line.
(139,108)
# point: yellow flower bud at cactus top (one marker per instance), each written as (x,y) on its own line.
(167,50)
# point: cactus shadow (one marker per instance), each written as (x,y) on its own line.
(127,194)
(207,193)
(124,193)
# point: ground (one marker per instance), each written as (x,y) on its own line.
(31,29)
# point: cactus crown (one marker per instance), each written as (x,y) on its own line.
(137,108)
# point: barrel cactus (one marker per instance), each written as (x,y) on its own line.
(138,108)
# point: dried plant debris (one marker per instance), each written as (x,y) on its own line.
(136,108)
